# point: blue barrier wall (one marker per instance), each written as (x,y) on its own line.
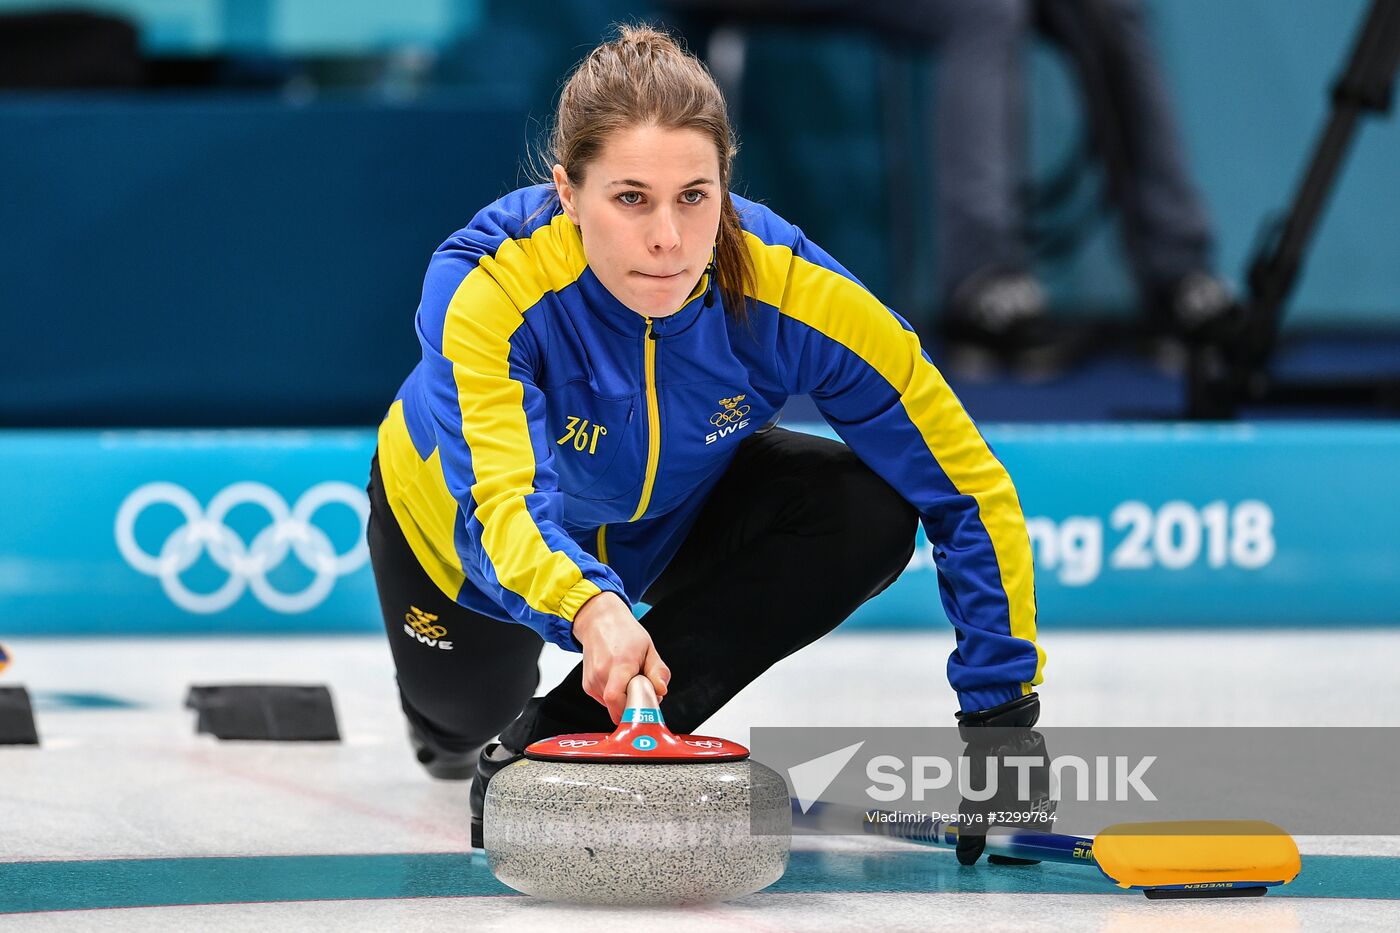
(197,260)
(1132,526)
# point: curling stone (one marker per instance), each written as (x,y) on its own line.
(641,816)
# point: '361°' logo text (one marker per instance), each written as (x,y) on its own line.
(583,435)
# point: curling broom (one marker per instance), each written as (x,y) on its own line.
(1176,859)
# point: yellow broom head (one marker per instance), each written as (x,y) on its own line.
(1197,854)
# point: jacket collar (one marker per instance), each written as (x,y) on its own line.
(618,317)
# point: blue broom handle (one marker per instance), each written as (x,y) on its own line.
(1017,843)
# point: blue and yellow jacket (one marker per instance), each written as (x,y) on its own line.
(553,444)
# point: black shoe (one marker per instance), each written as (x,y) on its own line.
(493,758)
(1197,307)
(998,318)
(440,763)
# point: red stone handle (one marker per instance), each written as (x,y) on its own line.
(640,736)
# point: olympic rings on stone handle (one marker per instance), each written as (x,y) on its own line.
(729,415)
(291,532)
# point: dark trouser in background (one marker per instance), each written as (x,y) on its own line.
(979,132)
(796,535)
(1109,45)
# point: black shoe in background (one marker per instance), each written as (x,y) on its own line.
(1194,310)
(1197,307)
(998,319)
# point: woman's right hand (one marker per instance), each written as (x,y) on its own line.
(615,649)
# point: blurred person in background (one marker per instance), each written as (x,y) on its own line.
(593,423)
(992,300)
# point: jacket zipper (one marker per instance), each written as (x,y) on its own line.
(653,424)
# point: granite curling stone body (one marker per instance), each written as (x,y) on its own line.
(642,816)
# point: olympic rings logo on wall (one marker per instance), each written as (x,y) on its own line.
(247,565)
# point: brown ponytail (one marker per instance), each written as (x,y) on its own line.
(644,78)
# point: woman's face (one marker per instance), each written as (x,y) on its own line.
(648,212)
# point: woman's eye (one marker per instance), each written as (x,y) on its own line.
(693,197)
(630,198)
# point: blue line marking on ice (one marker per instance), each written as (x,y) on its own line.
(52,701)
(163,882)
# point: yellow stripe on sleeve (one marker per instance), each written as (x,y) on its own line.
(422,505)
(483,314)
(829,303)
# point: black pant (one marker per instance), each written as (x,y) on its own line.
(979,119)
(796,535)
